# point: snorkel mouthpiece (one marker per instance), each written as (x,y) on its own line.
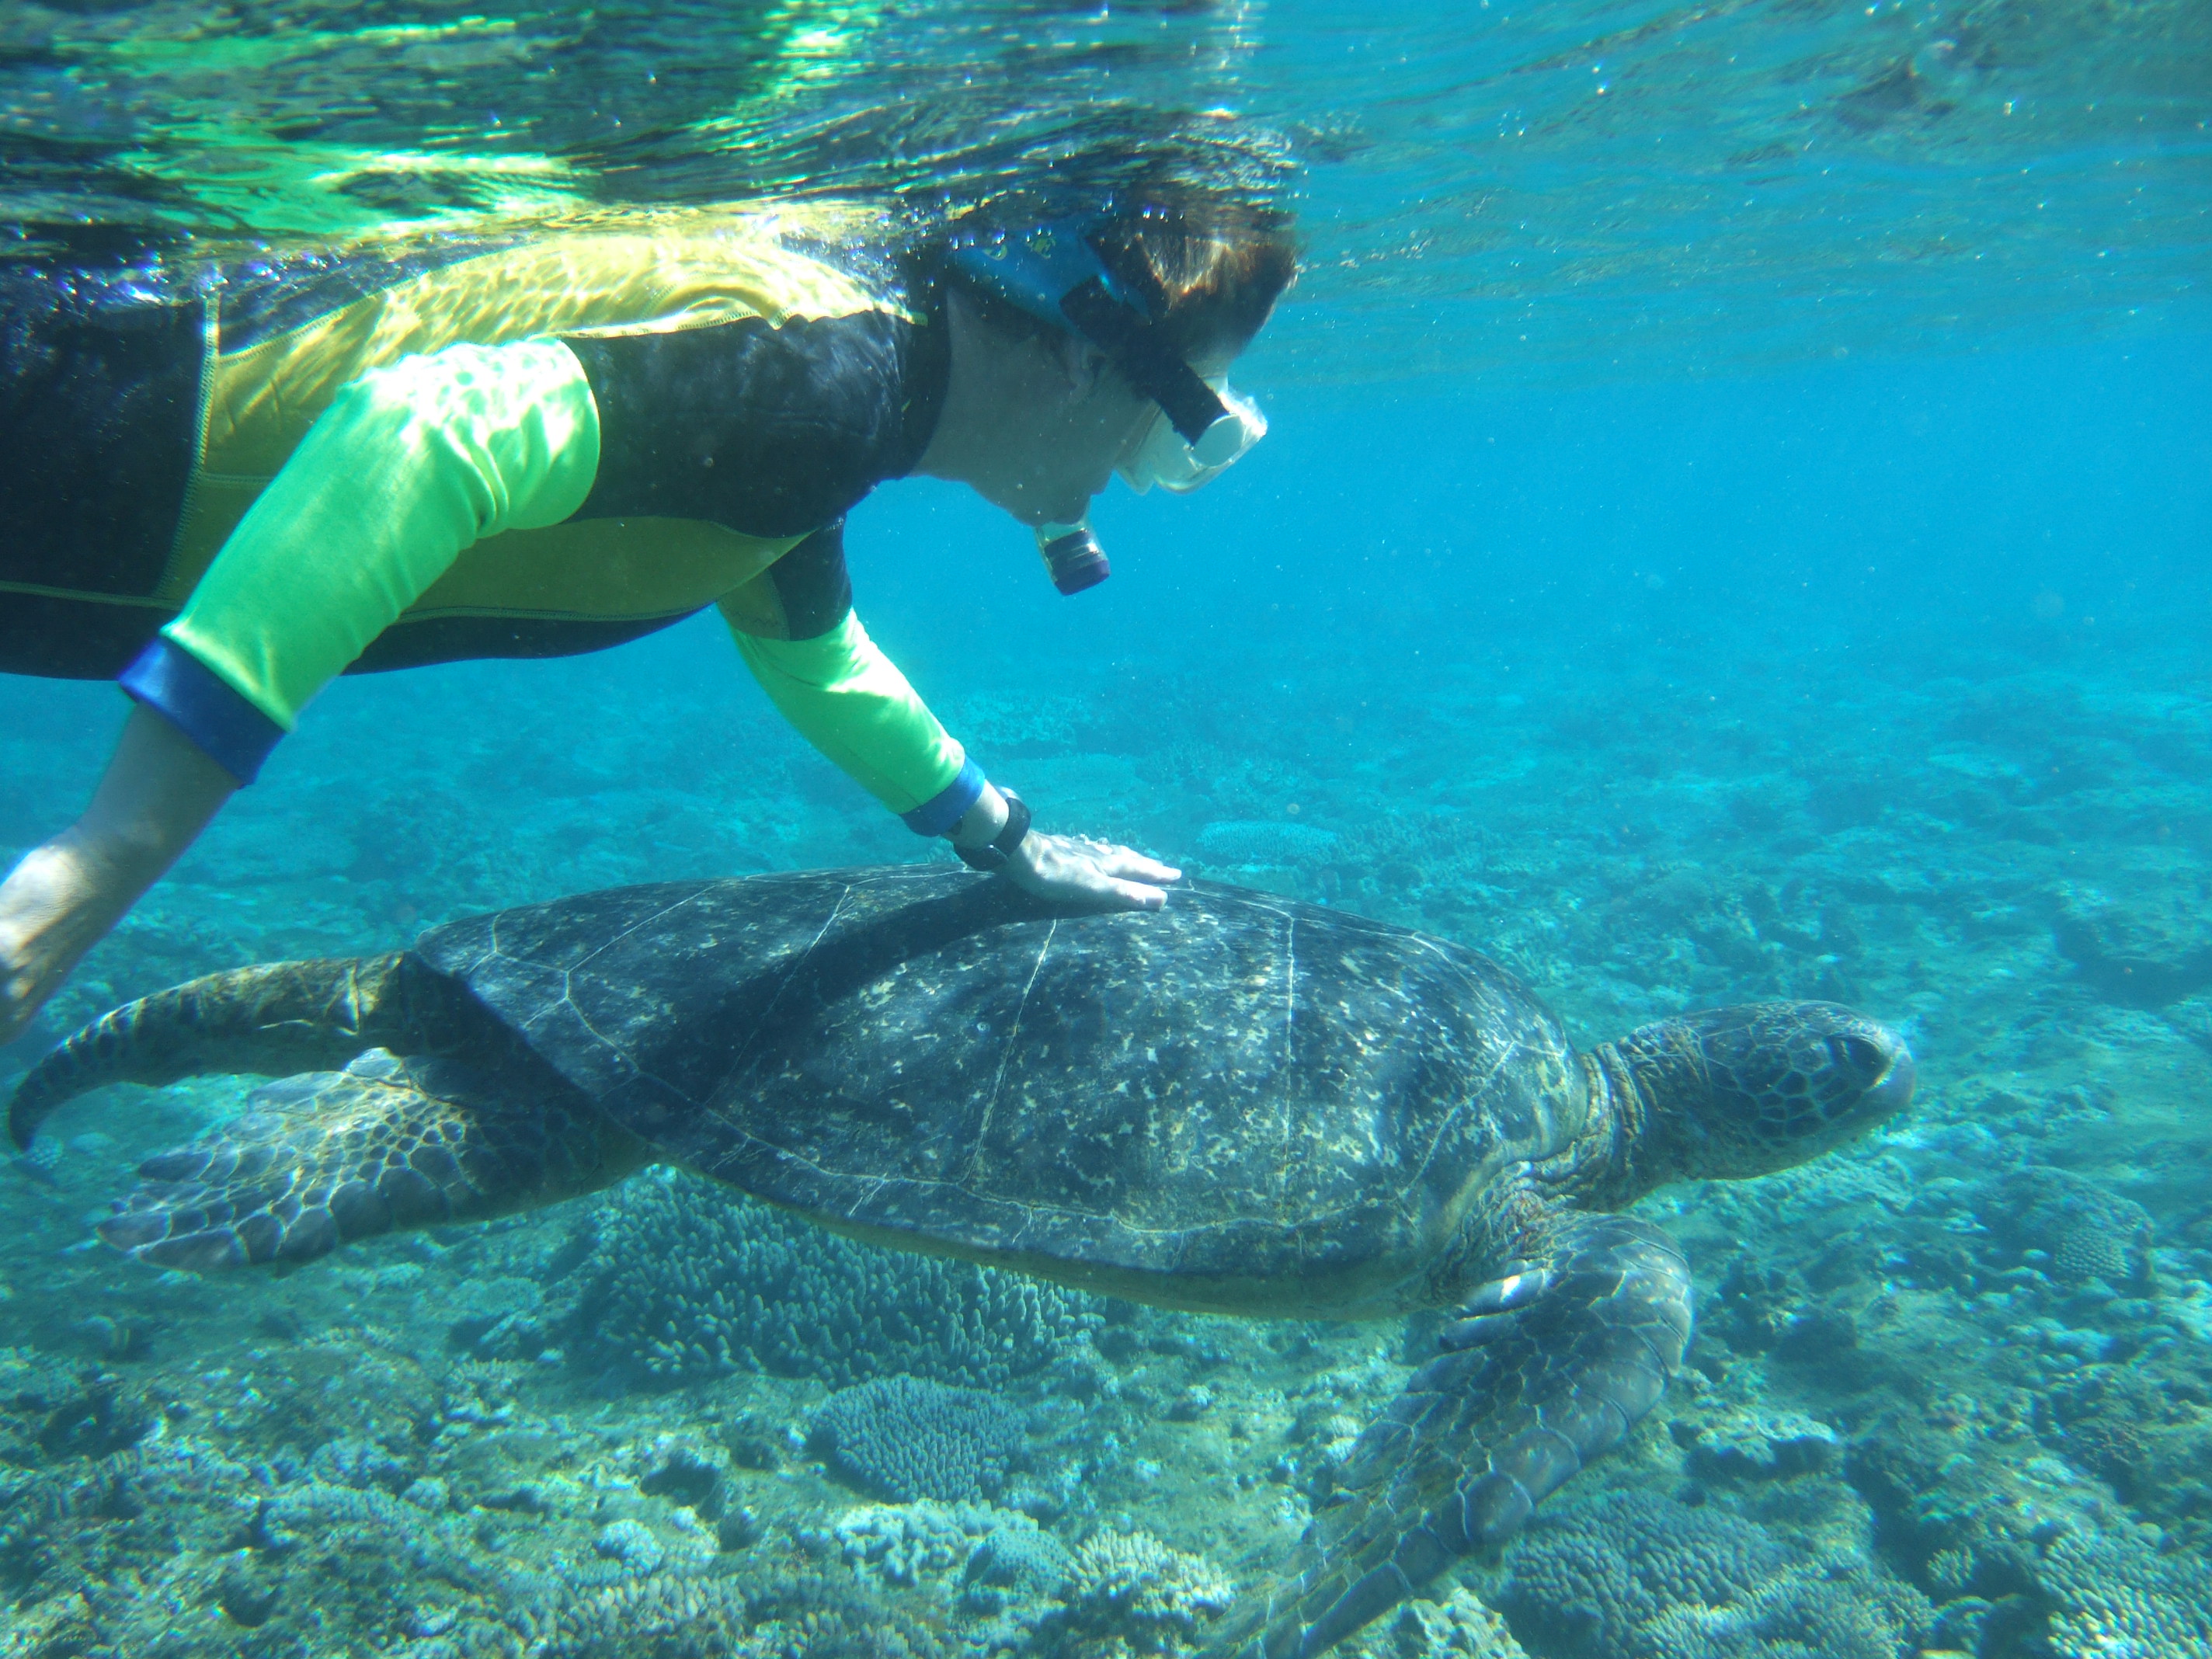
(1073,558)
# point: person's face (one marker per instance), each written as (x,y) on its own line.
(1036,425)
(1070,419)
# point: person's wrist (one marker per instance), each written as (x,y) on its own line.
(997,855)
(982,823)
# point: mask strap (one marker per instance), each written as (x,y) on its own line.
(1132,344)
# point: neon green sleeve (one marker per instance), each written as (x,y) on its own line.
(409,464)
(848,700)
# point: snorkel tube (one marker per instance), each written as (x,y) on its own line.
(1054,273)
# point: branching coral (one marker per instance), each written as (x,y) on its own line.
(686,1280)
(1638,1576)
(1131,1588)
(2112,1593)
(903,1437)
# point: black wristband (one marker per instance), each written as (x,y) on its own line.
(1000,853)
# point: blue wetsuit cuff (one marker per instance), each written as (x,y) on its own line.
(949,805)
(170,680)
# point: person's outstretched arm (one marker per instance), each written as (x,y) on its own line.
(846,697)
(160,790)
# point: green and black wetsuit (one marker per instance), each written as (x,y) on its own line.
(229,485)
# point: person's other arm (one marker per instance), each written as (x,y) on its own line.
(409,464)
(160,790)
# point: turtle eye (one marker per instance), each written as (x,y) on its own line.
(1857,1055)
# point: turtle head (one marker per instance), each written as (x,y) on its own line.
(1733,1092)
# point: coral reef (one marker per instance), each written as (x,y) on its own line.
(1228,842)
(1590,1579)
(1837,1610)
(1638,1576)
(1994,1322)
(2081,1230)
(1118,1593)
(1457,1627)
(790,1616)
(1131,1587)
(905,1437)
(1739,1444)
(903,1544)
(2112,1593)
(685,1281)
(1016,1554)
(658,1619)
(2143,956)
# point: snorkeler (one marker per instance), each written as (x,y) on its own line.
(226,486)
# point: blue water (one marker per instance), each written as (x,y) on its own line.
(1689,600)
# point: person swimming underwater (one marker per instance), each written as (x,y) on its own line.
(230,483)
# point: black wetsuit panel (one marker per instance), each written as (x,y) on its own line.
(99,418)
(773,431)
(811,585)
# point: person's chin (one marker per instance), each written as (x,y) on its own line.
(1036,518)
(1037,508)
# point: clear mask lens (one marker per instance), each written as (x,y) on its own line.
(1161,457)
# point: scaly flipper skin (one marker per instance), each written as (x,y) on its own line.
(326,1158)
(273,1018)
(1543,1371)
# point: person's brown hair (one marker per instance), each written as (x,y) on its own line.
(1210,269)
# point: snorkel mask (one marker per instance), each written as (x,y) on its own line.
(1052,272)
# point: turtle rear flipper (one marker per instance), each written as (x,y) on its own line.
(274,1018)
(325,1158)
(1545,1370)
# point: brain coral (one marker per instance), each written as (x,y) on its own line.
(685,1281)
(907,1438)
(2089,1231)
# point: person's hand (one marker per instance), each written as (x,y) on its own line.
(1077,869)
(159,792)
(1069,869)
(54,908)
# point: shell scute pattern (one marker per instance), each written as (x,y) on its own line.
(921,1052)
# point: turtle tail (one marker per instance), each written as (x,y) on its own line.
(274,1018)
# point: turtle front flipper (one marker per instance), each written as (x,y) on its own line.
(275,1017)
(326,1158)
(1543,1371)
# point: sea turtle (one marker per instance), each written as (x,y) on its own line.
(1239,1104)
